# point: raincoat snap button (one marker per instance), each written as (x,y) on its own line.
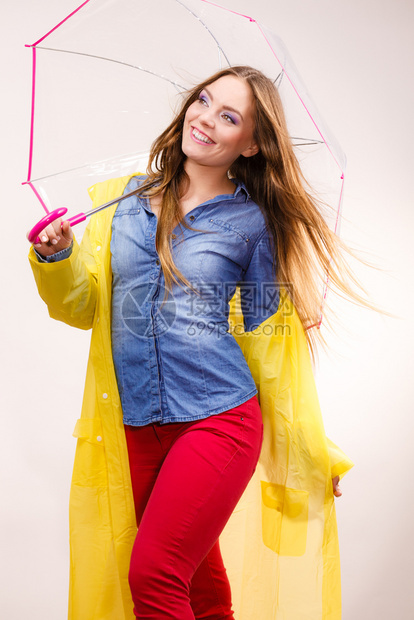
(98,248)
(104,395)
(99,438)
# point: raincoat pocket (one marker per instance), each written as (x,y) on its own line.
(284,519)
(90,463)
(89,429)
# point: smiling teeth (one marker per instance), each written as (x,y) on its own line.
(200,136)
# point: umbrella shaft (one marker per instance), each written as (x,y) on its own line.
(108,204)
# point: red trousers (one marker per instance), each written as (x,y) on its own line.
(187,479)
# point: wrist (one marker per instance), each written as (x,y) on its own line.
(55,257)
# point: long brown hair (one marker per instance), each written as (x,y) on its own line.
(306,249)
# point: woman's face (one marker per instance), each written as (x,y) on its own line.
(219,125)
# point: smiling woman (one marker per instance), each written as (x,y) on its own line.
(174,388)
(228,129)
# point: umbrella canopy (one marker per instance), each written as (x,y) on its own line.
(108,78)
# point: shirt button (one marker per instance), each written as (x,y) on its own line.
(157,262)
(173,236)
(191,217)
(99,438)
(105,395)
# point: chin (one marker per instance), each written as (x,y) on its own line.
(194,153)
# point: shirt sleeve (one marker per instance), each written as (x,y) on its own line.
(54,258)
(259,290)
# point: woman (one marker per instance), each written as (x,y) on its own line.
(223,207)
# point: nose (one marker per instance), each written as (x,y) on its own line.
(206,117)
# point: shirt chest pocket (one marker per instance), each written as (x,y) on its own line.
(225,251)
(230,229)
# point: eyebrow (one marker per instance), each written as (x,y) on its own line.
(226,107)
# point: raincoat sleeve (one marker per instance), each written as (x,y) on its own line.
(69,287)
(340,463)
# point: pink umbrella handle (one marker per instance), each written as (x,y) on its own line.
(45,221)
(33,235)
(77,219)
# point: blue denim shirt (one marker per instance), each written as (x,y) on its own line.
(178,362)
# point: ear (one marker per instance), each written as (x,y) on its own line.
(251,150)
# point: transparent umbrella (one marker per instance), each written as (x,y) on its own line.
(108,78)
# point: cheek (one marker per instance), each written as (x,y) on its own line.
(191,112)
(236,143)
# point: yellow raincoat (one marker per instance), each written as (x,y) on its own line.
(280,546)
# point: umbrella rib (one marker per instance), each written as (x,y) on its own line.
(279,79)
(307,141)
(207,28)
(119,62)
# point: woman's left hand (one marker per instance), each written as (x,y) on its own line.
(335,485)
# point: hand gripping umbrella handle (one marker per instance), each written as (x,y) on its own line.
(33,235)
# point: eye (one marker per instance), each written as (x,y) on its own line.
(228,118)
(202,99)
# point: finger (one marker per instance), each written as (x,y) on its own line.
(52,232)
(45,237)
(56,226)
(335,487)
(67,230)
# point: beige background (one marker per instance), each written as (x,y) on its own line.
(356,59)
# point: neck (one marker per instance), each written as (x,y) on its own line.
(206,182)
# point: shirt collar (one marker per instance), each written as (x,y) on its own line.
(240,187)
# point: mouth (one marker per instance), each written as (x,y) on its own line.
(200,137)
